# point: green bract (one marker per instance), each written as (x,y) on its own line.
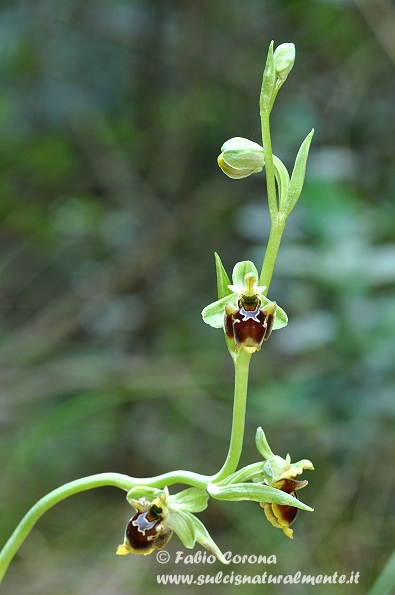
(256,492)
(240,158)
(213,314)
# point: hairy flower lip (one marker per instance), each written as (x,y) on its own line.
(250,325)
(279,515)
(145,532)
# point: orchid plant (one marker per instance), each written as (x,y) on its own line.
(247,317)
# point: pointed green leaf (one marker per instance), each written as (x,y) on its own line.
(282,178)
(241,269)
(268,82)
(182,524)
(213,314)
(298,174)
(256,492)
(189,500)
(222,278)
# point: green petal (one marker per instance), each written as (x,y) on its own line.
(204,538)
(189,500)
(256,492)
(213,314)
(262,445)
(222,278)
(241,269)
(181,523)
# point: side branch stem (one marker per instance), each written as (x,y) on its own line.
(123,482)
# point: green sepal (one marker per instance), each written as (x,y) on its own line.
(213,314)
(268,82)
(281,318)
(262,444)
(190,530)
(223,280)
(182,523)
(298,174)
(189,500)
(140,492)
(204,538)
(241,269)
(255,492)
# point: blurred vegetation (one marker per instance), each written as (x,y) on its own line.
(112,114)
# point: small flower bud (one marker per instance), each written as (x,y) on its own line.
(284,58)
(240,158)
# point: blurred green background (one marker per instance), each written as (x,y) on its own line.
(112,114)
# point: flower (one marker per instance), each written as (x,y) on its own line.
(280,474)
(159,515)
(245,313)
(240,158)
(147,530)
(280,515)
(249,325)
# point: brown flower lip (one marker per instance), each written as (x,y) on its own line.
(249,325)
(145,532)
(280,515)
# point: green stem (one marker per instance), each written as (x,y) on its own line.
(245,474)
(242,363)
(277,221)
(29,520)
(276,232)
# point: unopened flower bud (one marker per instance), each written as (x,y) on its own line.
(284,58)
(240,158)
